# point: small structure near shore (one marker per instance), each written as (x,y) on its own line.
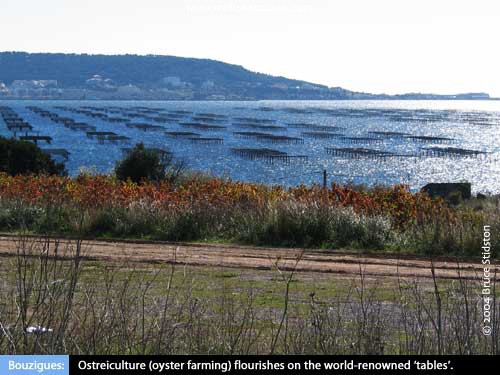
(36,138)
(444,190)
(267,154)
(107,136)
(201,126)
(267,127)
(144,127)
(315,127)
(254,120)
(182,134)
(269,137)
(161,152)
(451,152)
(358,153)
(360,140)
(321,135)
(429,139)
(206,140)
(389,135)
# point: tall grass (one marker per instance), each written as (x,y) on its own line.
(208,209)
(288,224)
(120,309)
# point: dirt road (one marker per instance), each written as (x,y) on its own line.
(324,261)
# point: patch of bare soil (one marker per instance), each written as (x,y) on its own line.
(317,261)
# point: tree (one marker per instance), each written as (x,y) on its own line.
(21,157)
(144,164)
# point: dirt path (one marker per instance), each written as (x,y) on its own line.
(336,262)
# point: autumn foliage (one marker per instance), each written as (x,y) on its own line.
(87,191)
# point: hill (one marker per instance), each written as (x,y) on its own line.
(45,75)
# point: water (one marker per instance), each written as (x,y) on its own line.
(473,125)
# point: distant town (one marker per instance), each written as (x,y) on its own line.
(132,77)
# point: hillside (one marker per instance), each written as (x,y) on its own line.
(44,75)
(73,70)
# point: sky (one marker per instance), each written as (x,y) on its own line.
(378,46)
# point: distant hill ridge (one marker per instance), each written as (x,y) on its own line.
(162,77)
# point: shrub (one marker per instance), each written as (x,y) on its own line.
(17,216)
(143,164)
(20,157)
(102,222)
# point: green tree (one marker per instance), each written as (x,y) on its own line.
(21,157)
(144,164)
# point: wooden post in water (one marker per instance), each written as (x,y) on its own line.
(324,179)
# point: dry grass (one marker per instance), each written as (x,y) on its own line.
(110,308)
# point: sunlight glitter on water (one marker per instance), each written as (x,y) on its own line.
(472,125)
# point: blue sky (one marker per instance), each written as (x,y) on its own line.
(389,46)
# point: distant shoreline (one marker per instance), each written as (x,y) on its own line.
(256,100)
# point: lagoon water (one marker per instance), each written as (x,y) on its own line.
(467,125)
